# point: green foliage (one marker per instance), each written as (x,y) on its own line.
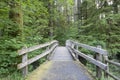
(13,76)
(100,26)
(102,31)
(44,20)
(38,21)
(35,22)
(9,56)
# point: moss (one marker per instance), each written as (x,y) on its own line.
(39,73)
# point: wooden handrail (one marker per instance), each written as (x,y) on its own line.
(114,63)
(21,65)
(73,45)
(111,75)
(95,49)
(97,61)
(24,53)
(90,59)
(26,50)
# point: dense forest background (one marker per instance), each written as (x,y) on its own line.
(30,22)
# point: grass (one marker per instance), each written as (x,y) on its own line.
(13,76)
(38,74)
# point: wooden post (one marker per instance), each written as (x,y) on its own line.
(47,48)
(25,69)
(24,59)
(67,43)
(105,74)
(98,70)
(76,47)
(72,45)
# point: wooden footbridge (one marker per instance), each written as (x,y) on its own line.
(63,62)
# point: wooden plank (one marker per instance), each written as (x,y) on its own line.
(114,63)
(21,65)
(23,51)
(96,62)
(111,75)
(95,49)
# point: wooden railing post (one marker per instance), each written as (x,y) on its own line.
(76,47)
(73,45)
(47,48)
(98,70)
(67,43)
(25,69)
(105,60)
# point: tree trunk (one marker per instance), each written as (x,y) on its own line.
(15,15)
(115,6)
(50,24)
(78,9)
(79,15)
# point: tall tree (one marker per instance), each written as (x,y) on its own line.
(15,15)
(115,5)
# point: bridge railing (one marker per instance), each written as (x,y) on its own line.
(101,58)
(50,46)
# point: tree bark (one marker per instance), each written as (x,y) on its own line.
(115,6)
(15,15)
(79,14)
(50,24)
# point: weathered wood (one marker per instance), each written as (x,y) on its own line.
(111,75)
(107,70)
(25,69)
(21,65)
(76,47)
(67,43)
(73,55)
(95,49)
(114,63)
(98,70)
(72,45)
(96,62)
(23,51)
(47,48)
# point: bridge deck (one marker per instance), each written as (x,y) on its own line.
(61,54)
(60,67)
